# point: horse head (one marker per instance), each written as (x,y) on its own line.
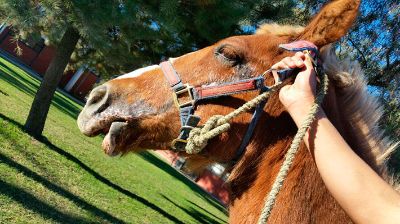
(137,111)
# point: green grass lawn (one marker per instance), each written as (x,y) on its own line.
(67,178)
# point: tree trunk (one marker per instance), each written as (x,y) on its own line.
(40,107)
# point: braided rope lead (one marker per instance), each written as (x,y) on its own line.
(291,153)
(218,124)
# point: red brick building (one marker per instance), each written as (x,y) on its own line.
(36,55)
(211,179)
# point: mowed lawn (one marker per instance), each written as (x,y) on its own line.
(66,178)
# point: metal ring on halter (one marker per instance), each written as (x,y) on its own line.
(279,75)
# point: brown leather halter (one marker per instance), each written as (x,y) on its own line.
(186,97)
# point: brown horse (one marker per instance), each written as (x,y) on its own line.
(137,112)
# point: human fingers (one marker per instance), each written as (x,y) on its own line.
(290,62)
(309,67)
(299,58)
(280,65)
(306,79)
(296,61)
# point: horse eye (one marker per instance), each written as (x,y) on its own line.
(228,54)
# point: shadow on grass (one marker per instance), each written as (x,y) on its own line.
(174,173)
(197,206)
(200,217)
(24,84)
(4,93)
(59,190)
(30,202)
(96,175)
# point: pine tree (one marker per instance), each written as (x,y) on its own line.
(171,28)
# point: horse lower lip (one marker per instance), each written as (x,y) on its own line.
(106,130)
(109,141)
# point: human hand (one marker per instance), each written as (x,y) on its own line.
(298,97)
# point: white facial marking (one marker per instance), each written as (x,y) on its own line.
(172,60)
(138,72)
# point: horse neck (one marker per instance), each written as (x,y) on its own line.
(303,197)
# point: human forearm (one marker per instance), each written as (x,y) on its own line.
(357,188)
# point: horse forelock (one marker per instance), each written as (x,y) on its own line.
(279,30)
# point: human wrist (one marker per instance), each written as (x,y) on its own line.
(297,103)
(300,112)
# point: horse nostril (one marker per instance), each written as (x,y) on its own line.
(98,100)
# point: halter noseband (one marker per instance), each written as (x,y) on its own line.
(187,97)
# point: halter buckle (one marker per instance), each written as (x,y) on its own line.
(186,90)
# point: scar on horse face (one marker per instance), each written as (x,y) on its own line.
(137,111)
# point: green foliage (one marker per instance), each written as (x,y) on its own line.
(120,35)
(374,42)
(165,29)
(272,11)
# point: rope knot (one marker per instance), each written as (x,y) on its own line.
(198,137)
(217,124)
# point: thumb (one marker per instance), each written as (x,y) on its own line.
(308,66)
(306,79)
(308,61)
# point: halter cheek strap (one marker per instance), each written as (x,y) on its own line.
(180,91)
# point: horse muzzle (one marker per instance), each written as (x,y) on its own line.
(99,116)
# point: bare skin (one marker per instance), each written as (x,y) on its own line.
(362,193)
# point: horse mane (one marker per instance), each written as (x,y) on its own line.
(361,110)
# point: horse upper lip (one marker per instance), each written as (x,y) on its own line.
(91,127)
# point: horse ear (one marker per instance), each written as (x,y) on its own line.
(332,22)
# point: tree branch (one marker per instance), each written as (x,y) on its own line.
(365,61)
